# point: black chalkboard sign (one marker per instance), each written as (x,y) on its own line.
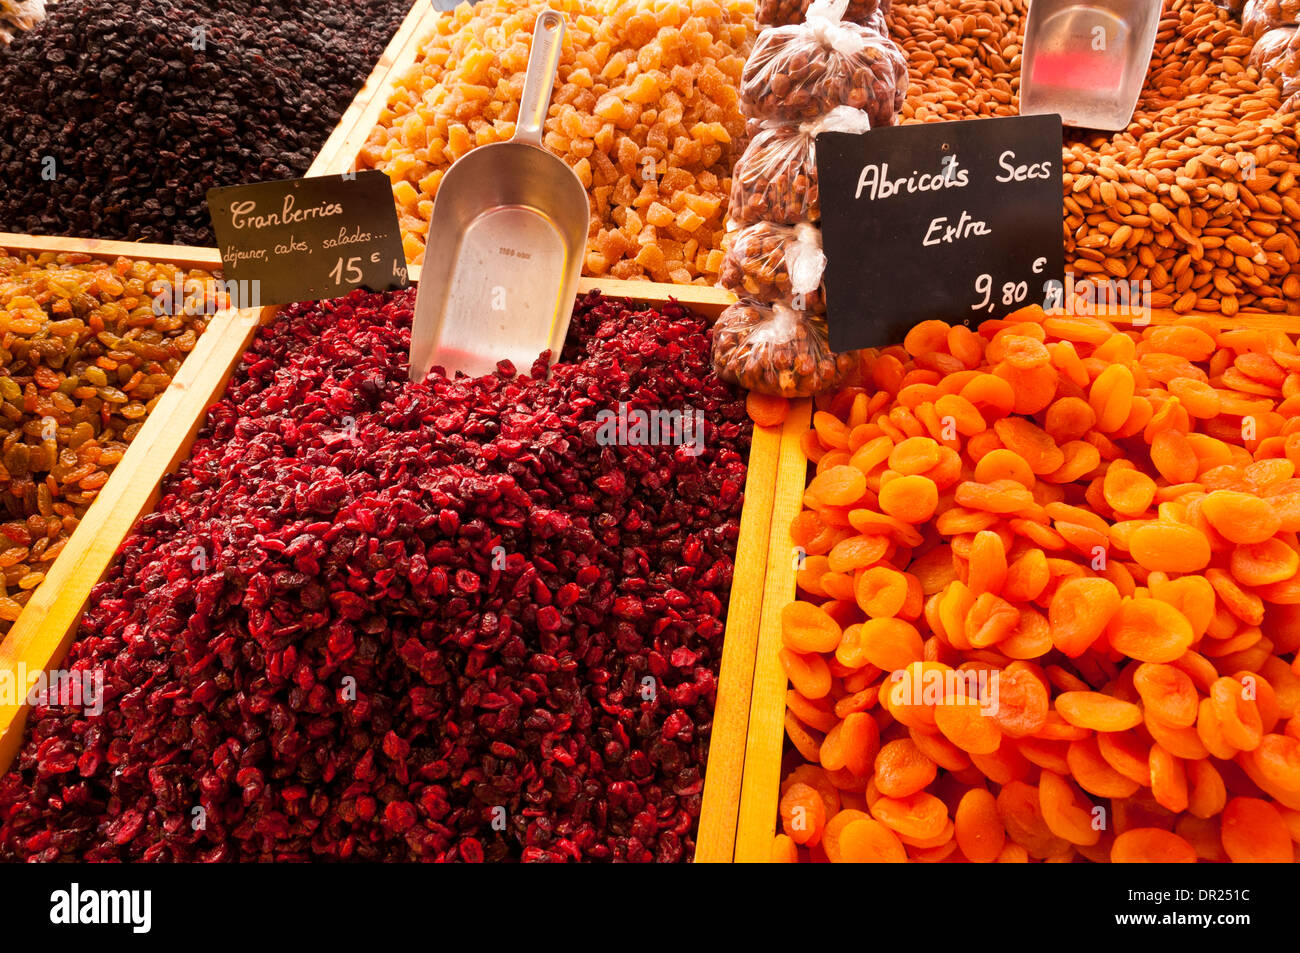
(308,239)
(954,220)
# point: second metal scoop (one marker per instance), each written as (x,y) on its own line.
(506,242)
(1087,60)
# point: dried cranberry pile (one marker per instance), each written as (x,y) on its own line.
(377,620)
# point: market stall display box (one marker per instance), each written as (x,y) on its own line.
(767,744)
(42,634)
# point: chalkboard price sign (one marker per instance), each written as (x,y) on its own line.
(954,220)
(308,239)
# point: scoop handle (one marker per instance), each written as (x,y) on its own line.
(543,63)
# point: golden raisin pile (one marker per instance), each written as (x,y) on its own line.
(1049,605)
(87,348)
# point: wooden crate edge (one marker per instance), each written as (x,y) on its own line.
(764,742)
(191,256)
(715,842)
(705,300)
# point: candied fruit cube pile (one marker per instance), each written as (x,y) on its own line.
(645,111)
(1049,605)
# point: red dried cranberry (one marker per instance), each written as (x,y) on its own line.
(416,634)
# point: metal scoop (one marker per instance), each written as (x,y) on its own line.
(506,242)
(1087,61)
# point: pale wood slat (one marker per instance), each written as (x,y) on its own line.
(715,842)
(758,796)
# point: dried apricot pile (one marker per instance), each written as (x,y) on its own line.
(1049,602)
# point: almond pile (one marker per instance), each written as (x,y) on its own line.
(1199,195)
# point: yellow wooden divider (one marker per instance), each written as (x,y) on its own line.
(725,770)
(187,256)
(758,796)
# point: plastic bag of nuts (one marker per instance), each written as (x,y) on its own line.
(1275,53)
(1288,65)
(785,12)
(769,262)
(1260,16)
(775,179)
(799,72)
(1290,96)
(777,350)
(1280,63)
